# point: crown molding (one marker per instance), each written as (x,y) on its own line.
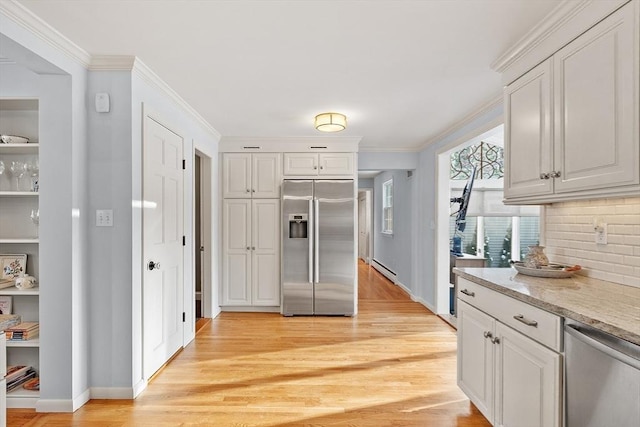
(147,74)
(555,19)
(374,149)
(482,110)
(291,144)
(38,27)
(292,139)
(112,63)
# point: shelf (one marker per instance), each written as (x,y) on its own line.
(35,342)
(30,241)
(19,194)
(21,398)
(15,291)
(28,148)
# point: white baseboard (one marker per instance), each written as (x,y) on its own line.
(251,309)
(404,288)
(112,393)
(384,270)
(138,388)
(428,306)
(61,405)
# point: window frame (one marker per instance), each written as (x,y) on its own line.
(387,206)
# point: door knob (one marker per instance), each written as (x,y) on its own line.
(153,265)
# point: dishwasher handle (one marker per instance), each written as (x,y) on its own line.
(615,348)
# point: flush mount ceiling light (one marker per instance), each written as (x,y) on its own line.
(331,122)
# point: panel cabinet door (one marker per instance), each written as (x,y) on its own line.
(528,391)
(236,252)
(236,175)
(528,134)
(265,247)
(476,357)
(596,106)
(266,175)
(301,164)
(336,163)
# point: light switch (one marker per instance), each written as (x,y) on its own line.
(104,218)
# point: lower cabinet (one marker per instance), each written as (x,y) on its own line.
(251,252)
(512,379)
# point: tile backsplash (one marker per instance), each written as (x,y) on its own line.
(570,238)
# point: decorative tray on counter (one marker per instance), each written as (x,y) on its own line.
(552,271)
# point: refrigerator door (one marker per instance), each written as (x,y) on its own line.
(335,257)
(297,247)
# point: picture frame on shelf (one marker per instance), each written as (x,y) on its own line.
(13,265)
(6,304)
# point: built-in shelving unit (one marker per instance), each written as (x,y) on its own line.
(19,228)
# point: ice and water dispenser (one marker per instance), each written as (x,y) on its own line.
(298,226)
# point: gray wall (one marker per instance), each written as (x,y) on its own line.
(365,183)
(395,251)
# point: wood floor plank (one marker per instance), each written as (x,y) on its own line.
(394,364)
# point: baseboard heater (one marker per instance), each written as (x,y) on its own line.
(386,272)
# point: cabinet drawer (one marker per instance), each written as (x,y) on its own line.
(533,322)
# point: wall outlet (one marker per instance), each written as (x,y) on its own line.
(104,218)
(601,234)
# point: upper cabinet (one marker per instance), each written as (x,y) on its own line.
(312,164)
(571,123)
(251,175)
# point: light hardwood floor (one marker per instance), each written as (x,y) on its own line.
(394,364)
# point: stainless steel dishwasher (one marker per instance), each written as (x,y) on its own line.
(602,378)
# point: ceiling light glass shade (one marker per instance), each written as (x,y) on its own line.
(331,122)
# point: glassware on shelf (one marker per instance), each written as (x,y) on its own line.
(17,169)
(1,167)
(33,168)
(35,216)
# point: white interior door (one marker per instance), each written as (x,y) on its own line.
(162,245)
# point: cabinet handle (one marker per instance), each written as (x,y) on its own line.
(555,174)
(521,318)
(544,176)
(488,334)
(495,340)
(466,292)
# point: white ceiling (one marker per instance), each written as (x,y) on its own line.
(402,71)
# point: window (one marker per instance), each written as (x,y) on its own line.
(387,207)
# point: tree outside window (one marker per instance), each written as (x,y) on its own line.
(387,207)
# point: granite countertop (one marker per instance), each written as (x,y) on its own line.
(610,307)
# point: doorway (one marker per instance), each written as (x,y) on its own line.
(365,224)
(202,238)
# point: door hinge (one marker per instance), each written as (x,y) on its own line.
(184,317)
(184,240)
(184,164)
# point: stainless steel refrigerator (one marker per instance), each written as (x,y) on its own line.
(318,247)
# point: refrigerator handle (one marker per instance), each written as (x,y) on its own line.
(311,240)
(316,231)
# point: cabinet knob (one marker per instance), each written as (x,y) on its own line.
(253,191)
(488,334)
(315,167)
(253,248)
(321,167)
(248,248)
(555,174)
(495,340)
(544,176)
(248,191)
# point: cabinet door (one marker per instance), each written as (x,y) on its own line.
(527,381)
(266,175)
(300,163)
(336,163)
(476,357)
(236,175)
(236,252)
(527,127)
(265,268)
(596,106)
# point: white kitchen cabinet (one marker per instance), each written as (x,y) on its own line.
(19,231)
(251,175)
(251,252)
(571,123)
(508,358)
(318,164)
